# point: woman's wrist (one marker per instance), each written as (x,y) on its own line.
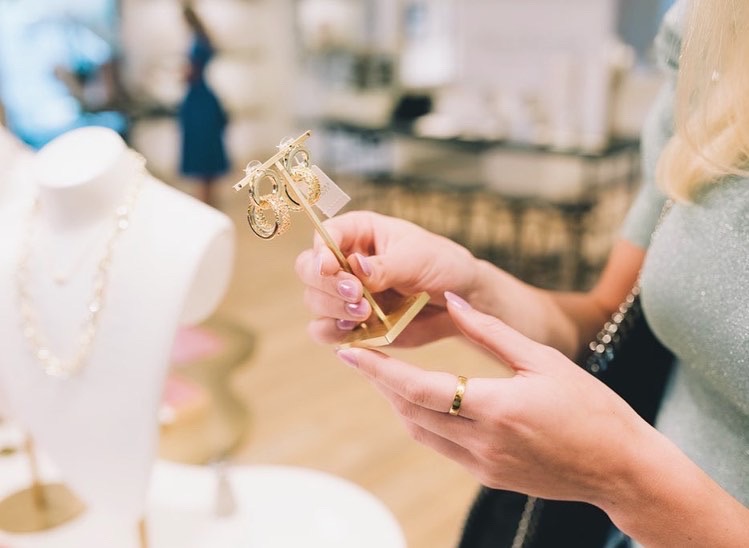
(479,281)
(633,464)
(659,497)
(493,291)
(526,308)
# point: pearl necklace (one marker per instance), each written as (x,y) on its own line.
(52,364)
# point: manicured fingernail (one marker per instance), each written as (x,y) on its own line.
(348,357)
(457,302)
(366,267)
(346,325)
(347,290)
(318,264)
(359,309)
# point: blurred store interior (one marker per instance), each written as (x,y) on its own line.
(510,127)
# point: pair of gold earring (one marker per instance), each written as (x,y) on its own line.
(269,214)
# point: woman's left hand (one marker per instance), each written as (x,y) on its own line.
(552,430)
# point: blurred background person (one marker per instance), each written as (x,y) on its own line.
(202,118)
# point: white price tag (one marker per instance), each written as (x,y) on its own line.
(332,197)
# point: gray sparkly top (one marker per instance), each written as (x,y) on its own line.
(695,295)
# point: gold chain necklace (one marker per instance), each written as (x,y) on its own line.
(52,364)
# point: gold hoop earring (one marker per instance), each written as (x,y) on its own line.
(258,216)
(258,177)
(296,156)
(312,191)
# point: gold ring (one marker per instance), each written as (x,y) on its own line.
(458,397)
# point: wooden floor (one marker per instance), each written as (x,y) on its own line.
(308,409)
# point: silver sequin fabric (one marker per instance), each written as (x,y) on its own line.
(695,296)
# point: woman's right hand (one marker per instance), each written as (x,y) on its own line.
(393,258)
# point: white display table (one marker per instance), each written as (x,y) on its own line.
(276,507)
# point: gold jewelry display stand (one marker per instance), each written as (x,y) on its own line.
(383,327)
(40,506)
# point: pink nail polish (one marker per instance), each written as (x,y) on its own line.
(456,301)
(347,290)
(358,309)
(366,267)
(346,325)
(348,357)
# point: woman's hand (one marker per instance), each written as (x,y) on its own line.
(554,431)
(393,258)
(551,430)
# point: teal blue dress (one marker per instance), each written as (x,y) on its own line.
(202,120)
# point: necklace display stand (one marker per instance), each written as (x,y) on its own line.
(98,421)
(40,506)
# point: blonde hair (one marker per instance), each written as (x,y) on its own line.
(711,134)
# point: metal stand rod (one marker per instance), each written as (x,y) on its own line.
(330,242)
(143,533)
(273,159)
(36,482)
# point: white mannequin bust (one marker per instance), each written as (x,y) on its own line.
(170,267)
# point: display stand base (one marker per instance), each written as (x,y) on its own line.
(382,334)
(38,508)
